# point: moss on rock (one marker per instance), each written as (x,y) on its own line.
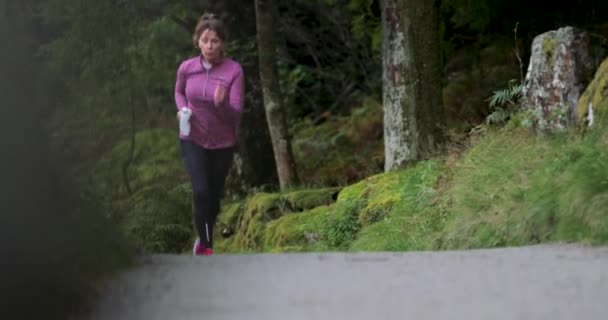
(596,95)
(549,46)
(384,193)
(409,223)
(229,217)
(297,231)
(262,208)
(305,199)
(361,205)
(259,209)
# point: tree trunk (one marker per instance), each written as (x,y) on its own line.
(266,15)
(254,166)
(414,118)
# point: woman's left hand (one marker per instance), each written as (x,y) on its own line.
(219,95)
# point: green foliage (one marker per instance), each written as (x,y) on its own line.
(87,64)
(475,15)
(511,188)
(514,188)
(157,216)
(342,225)
(296,231)
(595,95)
(334,49)
(110,58)
(229,217)
(155,53)
(365,24)
(299,200)
(291,80)
(262,208)
(504,103)
(523,119)
(549,46)
(371,214)
(411,223)
(341,150)
(473,75)
(156,161)
(158,222)
(360,205)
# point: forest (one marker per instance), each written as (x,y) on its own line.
(438,152)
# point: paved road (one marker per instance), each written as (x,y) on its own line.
(539,282)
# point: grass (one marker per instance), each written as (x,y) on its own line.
(511,188)
(515,188)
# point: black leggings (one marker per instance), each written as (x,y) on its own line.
(207,169)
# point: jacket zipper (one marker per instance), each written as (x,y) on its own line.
(206,80)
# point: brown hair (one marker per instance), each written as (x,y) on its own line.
(208,21)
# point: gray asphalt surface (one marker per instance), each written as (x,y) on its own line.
(539,282)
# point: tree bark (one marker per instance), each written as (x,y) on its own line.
(254,166)
(414,118)
(266,16)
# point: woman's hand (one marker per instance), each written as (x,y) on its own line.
(219,95)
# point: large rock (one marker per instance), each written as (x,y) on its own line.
(594,100)
(562,64)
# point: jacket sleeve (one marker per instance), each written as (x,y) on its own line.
(236,100)
(180,88)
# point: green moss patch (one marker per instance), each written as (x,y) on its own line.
(360,205)
(262,208)
(296,231)
(596,95)
(410,223)
(549,46)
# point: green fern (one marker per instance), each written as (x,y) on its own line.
(503,103)
(499,115)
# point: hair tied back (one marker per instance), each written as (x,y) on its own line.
(208,16)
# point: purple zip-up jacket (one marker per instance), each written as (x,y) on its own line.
(211,126)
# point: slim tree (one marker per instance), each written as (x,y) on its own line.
(266,16)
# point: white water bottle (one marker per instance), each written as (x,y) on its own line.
(184,121)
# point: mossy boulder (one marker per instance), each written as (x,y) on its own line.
(595,96)
(383,194)
(411,223)
(561,66)
(259,209)
(296,231)
(262,208)
(305,199)
(360,205)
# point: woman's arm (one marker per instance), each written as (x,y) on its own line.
(237,92)
(232,107)
(180,88)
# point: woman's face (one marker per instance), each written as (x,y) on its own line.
(211,45)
